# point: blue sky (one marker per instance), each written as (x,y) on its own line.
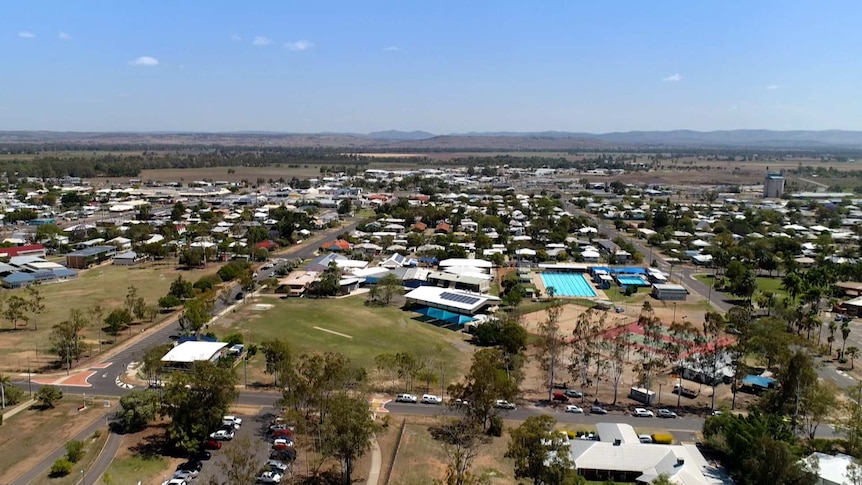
(442,66)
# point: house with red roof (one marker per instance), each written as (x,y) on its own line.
(269,245)
(338,245)
(443,228)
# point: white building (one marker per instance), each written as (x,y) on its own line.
(187,353)
(830,469)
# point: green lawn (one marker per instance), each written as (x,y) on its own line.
(130,469)
(614,294)
(372,330)
(105,285)
(764,283)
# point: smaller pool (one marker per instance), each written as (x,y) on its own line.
(568,284)
(632,281)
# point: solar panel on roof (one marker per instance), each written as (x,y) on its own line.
(465,299)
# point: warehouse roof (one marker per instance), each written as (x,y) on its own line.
(193,351)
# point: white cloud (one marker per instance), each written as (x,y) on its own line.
(145,61)
(235,37)
(64,36)
(26,35)
(261,40)
(299,45)
(391,48)
(673,78)
(772,87)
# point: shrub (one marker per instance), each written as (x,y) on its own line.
(495,427)
(169,301)
(97,434)
(233,339)
(61,467)
(14,395)
(74,451)
(48,395)
(207,283)
(662,438)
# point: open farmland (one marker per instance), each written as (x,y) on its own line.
(104,285)
(344,325)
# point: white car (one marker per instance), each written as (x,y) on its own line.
(431,399)
(571,408)
(222,434)
(233,420)
(504,404)
(410,398)
(269,477)
(643,413)
(278,466)
(175,481)
(645,439)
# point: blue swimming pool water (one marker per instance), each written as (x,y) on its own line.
(631,281)
(568,284)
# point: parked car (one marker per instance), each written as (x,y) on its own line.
(239,296)
(175,481)
(288,455)
(222,434)
(716,413)
(233,420)
(596,409)
(431,399)
(283,433)
(666,413)
(278,466)
(643,413)
(186,475)
(282,444)
(212,444)
(571,408)
(619,309)
(202,456)
(192,466)
(645,438)
(410,398)
(503,404)
(270,477)
(461,402)
(574,393)
(559,396)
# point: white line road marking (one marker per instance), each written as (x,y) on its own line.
(333,332)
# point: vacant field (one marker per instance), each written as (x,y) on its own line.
(131,465)
(103,285)
(765,284)
(421,458)
(348,326)
(37,433)
(93,446)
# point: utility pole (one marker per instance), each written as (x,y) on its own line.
(442,382)
(29,384)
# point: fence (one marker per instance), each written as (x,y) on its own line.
(395,452)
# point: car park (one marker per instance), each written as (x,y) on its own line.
(503,404)
(408,398)
(666,413)
(643,413)
(431,399)
(571,408)
(596,409)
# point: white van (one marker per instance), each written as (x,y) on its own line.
(431,399)
(645,438)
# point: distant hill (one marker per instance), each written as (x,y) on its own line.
(396,135)
(422,140)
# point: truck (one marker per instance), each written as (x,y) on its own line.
(685,391)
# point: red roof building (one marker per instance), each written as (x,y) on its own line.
(37,250)
(267,245)
(419,226)
(338,245)
(443,228)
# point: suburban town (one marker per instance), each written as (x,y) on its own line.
(200,331)
(430,243)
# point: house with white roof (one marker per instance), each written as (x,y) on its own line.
(619,455)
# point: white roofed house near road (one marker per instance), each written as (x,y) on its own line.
(187,353)
(457,301)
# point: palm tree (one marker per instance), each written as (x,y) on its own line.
(832,327)
(792,284)
(852,352)
(551,291)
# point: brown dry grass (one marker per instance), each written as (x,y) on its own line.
(31,435)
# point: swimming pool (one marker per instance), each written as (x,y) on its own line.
(632,281)
(568,284)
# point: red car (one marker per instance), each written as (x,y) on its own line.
(282,433)
(212,444)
